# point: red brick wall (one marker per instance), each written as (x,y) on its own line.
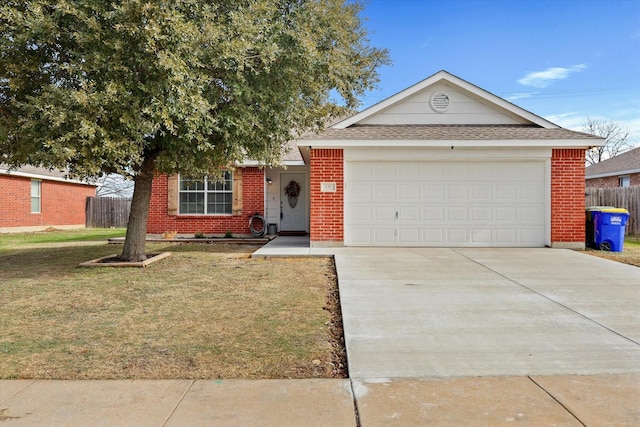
(252,202)
(567,196)
(61,203)
(612,181)
(327,209)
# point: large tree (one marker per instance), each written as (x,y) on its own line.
(615,135)
(172,86)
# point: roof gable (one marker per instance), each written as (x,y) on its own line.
(444,99)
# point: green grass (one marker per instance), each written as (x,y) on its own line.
(16,240)
(632,241)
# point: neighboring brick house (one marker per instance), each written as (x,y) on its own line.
(622,170)
(35,198)
(442,163)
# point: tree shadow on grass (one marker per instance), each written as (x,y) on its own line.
(61,261)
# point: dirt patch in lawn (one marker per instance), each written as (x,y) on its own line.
(629,255)
(205,312)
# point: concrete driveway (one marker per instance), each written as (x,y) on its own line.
(411,313)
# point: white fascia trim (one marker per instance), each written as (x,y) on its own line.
(617,173)
(255,163)
(45,177)
(439,76)
(519,143)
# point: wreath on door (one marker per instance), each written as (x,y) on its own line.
(292,190)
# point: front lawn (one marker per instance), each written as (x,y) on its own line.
(208,311)
(629,255)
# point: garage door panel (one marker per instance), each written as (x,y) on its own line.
(457,192)
(531,192)
(384,236)
(483,214)
(384,214)
(430,214)
(433,191)
(530,171)
(530,234)
(384,172)
(409,213)
(360,235)
(457,214)
(361,192)
(481,192)
(530,214)
(433,236)
(457,236)
(506,237)
(507,214)
(446,203)
(410,172)
(456,171)
(481,236)
(363,214)
(409,192)
(432,172)
(385,192)
(506,191)
(409,236)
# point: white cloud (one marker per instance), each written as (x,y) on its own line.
(544,78)
(572,120)
(520,95)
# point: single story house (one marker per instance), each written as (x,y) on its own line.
(441,163)
(622,170)
(35,198)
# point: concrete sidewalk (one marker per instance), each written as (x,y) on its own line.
(488,401)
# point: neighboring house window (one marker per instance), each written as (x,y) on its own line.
(36,193)
(625,181)
(207,197)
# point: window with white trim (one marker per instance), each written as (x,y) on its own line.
(625,181)
(36,196)
(206,196)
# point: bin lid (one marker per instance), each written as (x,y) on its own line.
(599,208)
(615,210)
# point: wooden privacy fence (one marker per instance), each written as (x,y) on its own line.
(107,212)
(618,197)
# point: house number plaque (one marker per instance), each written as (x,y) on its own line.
(327,187)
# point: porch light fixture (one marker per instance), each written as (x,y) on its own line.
(269,181)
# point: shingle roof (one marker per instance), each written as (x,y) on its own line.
(627,161)
(41,173)
(447,132)
(292,153)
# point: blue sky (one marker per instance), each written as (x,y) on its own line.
(564,60)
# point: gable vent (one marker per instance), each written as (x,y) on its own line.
(440,102)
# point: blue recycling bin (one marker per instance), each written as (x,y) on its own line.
(605,227)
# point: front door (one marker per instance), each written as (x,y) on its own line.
(293,202)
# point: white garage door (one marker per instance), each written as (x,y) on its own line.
(456,203)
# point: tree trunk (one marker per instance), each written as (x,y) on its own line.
(134,243)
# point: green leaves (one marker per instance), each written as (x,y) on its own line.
(97,86)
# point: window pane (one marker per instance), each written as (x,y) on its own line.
(217,200)
(219,203)
(191,185)
(36,187)
(224,185)
(191,203)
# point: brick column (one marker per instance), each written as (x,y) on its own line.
(568,198)
(327,208)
